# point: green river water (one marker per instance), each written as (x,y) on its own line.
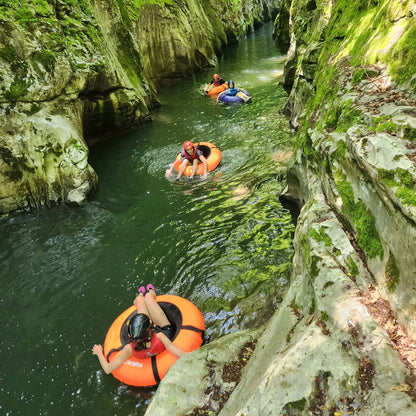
(66,273)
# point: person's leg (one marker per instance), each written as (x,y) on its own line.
(194,167)
(243,96)
(184,165)
(156,313)
(140,304)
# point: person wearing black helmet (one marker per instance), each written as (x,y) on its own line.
(149,332)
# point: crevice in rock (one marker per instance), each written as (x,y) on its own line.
(231,373)
(381,312)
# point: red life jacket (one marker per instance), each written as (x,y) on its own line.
(192,157)
(218,82)
(156,346)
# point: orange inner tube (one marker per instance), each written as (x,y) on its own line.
(216,90)
(146,372)
(211,152)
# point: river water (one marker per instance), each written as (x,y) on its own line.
(66,273)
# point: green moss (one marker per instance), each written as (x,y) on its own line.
(47,58)
(295,407)
(341,149)
(407,196)
(358,76)
(362,218)
(388,177)
(349,116)
(409,133)
(402,59)
(406,178)
(8,53)
(16,165)
(313,307)
(392,273)
(324,316)
(134,6)
(314,266)
(321,236)
(306,251)
(342,117)
(352,267)
(389,127)
(403,181)
(18,88)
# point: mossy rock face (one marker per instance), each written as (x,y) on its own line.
(43,158)
(356,131)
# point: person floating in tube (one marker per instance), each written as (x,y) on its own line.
(191,156)
(215,82)
(149,332)
(233,90)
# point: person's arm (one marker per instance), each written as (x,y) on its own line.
(204,161)
(108,368)
(170,346)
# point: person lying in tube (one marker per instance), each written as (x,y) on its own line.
(145,339)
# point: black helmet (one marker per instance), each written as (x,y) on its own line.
(137,327)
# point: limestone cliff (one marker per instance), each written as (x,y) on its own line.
(74,70)
(342,341)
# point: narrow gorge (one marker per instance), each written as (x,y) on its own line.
(342,341)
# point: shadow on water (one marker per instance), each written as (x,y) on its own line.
(67,273)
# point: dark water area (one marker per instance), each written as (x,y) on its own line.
(66,273)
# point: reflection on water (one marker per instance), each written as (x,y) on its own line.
(66,273)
